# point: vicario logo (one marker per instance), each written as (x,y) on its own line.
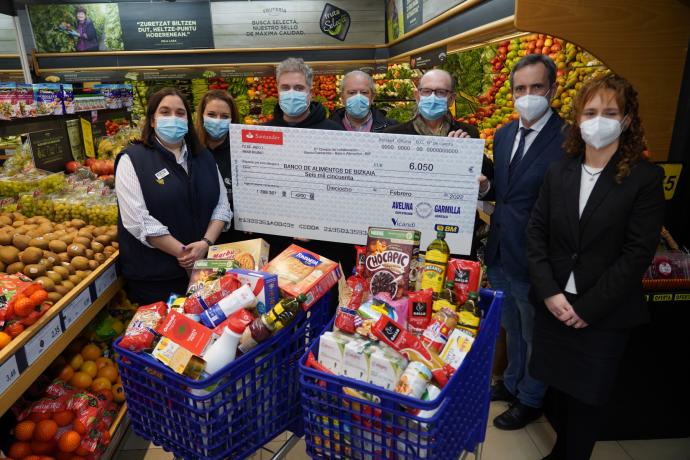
(397,258)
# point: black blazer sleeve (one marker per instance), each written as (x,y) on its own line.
(641,240)
(537,241)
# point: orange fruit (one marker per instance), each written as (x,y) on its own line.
(89,367)
(33,457)
(81,380)
(45,430)
(43,447)
(46,458)
(109,372)
(118,393)
(81,451)
(106,394)
(5,339)
(38,297)
(66,373)
(38,416)
(79,427)
(23,306)
(19,450)
(102,362)
(76,362)
(64,417)
(91,352)
(69,441)
(63,455)
(101,383)
(24,431)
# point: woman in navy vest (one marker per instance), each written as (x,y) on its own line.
(172,201)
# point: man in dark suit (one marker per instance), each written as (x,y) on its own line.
(523,151)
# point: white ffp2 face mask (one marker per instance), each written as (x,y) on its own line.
(601,131)
(531,107)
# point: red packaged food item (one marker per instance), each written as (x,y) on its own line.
(141,330)
(361,259)
(239,320)
(442,325)
(88,409)
(408,345)
(346,318)
(419,314)
(466,276)
(211,293)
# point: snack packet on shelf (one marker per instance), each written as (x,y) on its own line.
(140,333)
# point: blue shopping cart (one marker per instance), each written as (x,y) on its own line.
(340,425)
(232,413)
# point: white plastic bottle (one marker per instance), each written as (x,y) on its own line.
(241,298)
(223,350)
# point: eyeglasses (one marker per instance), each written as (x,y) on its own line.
(439,92)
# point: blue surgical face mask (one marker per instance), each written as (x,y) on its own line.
(433,107)
(217,128)
(171,129)
(357,106)
(293,103)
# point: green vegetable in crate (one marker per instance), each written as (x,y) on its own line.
(268,105)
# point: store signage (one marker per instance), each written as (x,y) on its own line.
(156,26)
(429,59)
(9,372)
(282,23)
(671,177)
(50,149)
(42,340)
(335,22)
(105,280)
(87,135)
(333,185)
(76,308)
(403,16)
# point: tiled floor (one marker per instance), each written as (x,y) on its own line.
(532,443)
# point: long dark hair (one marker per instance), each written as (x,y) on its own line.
(148,134)
(214,94)
(632,143)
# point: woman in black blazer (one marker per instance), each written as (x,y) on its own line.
(592,234)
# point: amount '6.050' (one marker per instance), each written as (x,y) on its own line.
(421,166)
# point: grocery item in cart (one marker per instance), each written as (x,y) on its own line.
(277,318)
(436,335)
(457,347)
(332,350)
(264,285)
(419,314)
(178,358)
(387,367)
(140,333)
(466,276)
(249,254)
(186,332)
(303,272)
(224,349)
(209,284)
(391,260)
(414,380)
(242,297)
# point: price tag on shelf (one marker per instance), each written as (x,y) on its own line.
(105,280)
(43,340)
(9,372)
(75,309)
(671,177)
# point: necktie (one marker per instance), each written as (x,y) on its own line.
(520,152)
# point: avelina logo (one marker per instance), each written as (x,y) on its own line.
(335,22)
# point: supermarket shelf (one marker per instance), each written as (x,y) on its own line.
(117,433)
(667,296)
(31,352)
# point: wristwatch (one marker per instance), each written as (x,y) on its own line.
(207,241)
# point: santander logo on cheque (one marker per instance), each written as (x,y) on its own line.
(256,136)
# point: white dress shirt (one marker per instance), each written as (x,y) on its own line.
(587,183)
(135,216)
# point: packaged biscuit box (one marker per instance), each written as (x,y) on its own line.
(303,272)
(249,254)
(391,260)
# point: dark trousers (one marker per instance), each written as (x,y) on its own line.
(148,292)
(576,425)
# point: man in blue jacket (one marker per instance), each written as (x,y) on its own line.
(523,151)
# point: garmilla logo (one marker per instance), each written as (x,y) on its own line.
(335,22)
(255,136)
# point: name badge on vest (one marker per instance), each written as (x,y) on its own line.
(160,175)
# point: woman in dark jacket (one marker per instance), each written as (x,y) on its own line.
(171,199)
(88,39)
(592,234)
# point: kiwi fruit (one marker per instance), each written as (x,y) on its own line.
(34,233)
(89,254)
(55,276)
(62,271)
(16,267)
(68,284)
(76,249)
(99,257)
(20,242)
(2,267)
(104,239)
(98,231)
(63,257)
(51,256)
(6,238)
(57,246)
(97,247)
(18,223)
(5,220)
(59,288)
(84,241)
(74,279)
(9,255)
(47,263)
(31,255)
(39,242)
(30,220)
(77,223)
(115,244)
(93,264)
(69,268)
(34,271)
(66,238)
(80,262)
(109,251)
(86,232)
(54,297)
(48,284)
(82,274)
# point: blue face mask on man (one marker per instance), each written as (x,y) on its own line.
(293,103)
(357,106)
(217,128)
(171,129)
(433,107)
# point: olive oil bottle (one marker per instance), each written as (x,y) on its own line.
(436,263)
